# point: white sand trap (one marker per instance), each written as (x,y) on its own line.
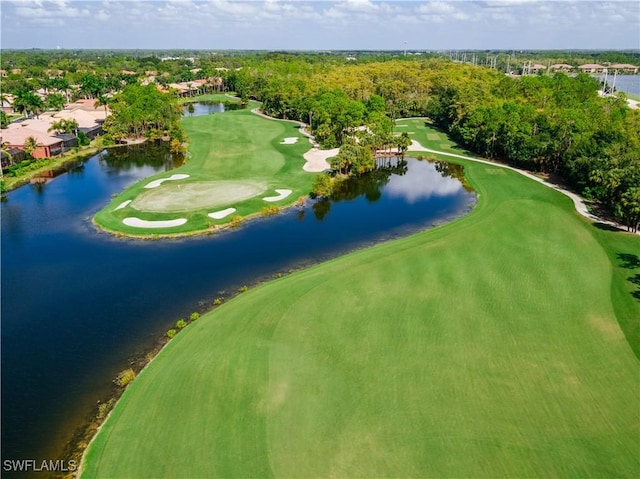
(289,141)
(156,183)
(122,205)
(317,159)
(218,215)
(282,194)
(138,223)
(197,195)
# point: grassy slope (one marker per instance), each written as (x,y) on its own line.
(488,347)
(229,146)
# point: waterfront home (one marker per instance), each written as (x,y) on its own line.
(561,67)
(16,137)
(624,68)
(592,68)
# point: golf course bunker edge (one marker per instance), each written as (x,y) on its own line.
(197,195)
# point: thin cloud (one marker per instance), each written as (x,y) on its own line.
(306,24)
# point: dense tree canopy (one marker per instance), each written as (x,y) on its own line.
(143,111)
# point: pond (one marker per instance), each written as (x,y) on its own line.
(200,108)
(625,83)
(77,304)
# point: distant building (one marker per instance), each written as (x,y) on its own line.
(561,67)
(592,68)
(624,68)
(537,68)
(54,73)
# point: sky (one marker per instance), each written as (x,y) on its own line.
(320,25)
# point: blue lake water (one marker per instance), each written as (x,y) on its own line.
(625,83)
(77,304)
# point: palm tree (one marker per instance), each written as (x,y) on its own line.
(102,100)
(26,101)
(64,126)
(30,145)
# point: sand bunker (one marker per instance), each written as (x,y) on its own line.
(317,159)
(156,183)
(218,215)
(289,141)
(122,205)
(282,194)
(138,223)
(197,195)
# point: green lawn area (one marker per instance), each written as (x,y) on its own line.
(233,148)
(428,136)
(504,344)
(214,97)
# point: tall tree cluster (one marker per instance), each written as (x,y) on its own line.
(553,124)
(143,111)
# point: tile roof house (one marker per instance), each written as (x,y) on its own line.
(537,68)
(84,112)
(561,67)
(592,68)
(17,136)
(624,68)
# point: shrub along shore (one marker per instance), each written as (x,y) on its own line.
(504,343)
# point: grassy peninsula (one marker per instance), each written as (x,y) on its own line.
(236,159)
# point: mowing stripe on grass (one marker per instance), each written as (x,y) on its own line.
(487,347)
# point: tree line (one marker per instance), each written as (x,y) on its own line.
(557,125)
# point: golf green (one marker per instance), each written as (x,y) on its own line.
(236,159)
(504,344)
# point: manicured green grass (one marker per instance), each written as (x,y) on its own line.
(487,347)
(428,136)
(221,97)
(235,145)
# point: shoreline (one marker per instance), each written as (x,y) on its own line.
(578,202)
(416,147)
(13,183)
(145,357)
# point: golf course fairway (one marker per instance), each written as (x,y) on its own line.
(504,344)
(237,159)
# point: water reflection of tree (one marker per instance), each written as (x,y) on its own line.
(154,154)
(368,184)
(321,208)
(452,170)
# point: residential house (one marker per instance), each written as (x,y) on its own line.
(592,68)
(537,68)
(11,156)
(7,104)
(561,67)
(16,137)
(624,68)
